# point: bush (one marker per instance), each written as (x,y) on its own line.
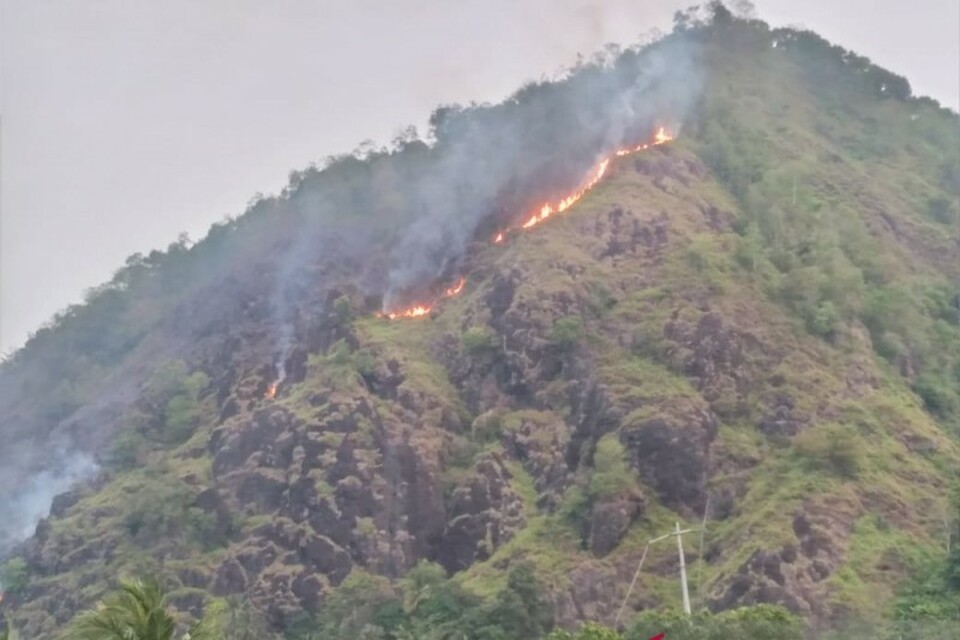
(352,607)
(567,332)
(126,450)
(825,320)
(172,402)
(834,447)
(365,362)
(476,340)
(231,618)
(756,622)
(343,310)
(937,394)
(612,475)
(14,575)
(589,631)
(760,622)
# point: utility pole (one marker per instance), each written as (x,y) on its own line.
(683,570)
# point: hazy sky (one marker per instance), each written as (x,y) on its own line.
(126,122)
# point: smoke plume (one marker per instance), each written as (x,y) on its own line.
(539,142)
(26,495)
(410,212)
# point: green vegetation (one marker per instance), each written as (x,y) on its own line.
(424,604)
(833,447)
(169,411)
(477,340)
(230,619)
(612,475)
(14,576)
(567,332)
(760,622)
(135,612)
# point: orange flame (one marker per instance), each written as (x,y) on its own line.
(547,209)
(455,289)
(413,312)
(271,391)
(662,136)
(420,310)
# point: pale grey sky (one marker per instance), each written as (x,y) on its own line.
(126,122)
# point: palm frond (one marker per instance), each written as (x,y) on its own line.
(135,612)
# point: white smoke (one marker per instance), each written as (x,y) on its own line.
(27,498)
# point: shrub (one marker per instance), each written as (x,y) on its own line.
(172,401)
(566,332)
(612,475)
(937,395)
(756,622)
(343,310)
(126,450)
(14,575)
(825,319)
(589,631)
(835,447)
(365,361)
(760,622)
(476,340)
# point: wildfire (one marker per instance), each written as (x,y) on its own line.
(272,391)
(547,209)
(455,289)
(661,137)
(412,312)
(420,310)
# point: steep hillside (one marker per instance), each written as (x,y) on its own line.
(754,326)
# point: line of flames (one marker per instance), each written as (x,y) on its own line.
(546,210)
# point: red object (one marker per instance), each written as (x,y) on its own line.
(659,637)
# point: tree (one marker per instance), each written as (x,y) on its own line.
(419,583)
(14,575)
(589,631)
(351,610)
(230,618)
(136,612)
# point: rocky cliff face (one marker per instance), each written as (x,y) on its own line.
(608,373)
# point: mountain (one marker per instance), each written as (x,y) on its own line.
(753,326)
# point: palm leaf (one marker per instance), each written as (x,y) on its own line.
(136,612)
